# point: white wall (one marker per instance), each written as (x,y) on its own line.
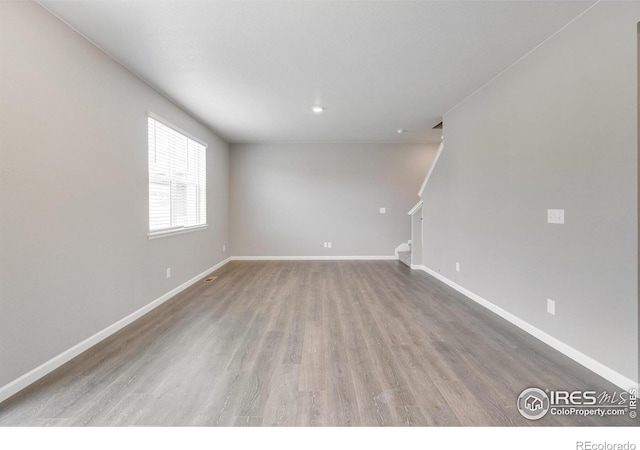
(288,199)
(557,130)
(74,253)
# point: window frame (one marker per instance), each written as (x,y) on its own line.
(175,229)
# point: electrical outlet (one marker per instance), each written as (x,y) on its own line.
(329,244)
(383,210)
(326,245)
(551,307)
(224,248)
(457,267)
(555,216)
(169,272)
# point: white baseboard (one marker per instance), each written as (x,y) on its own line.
(416,267)
(34,375)
(595,366)
(310,258)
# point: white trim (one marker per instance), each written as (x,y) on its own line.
(595,366)
(177,128)
(415,208)
(416,267)
(173,231)
(526,55)
(433,165)
(310,258)
(34,375)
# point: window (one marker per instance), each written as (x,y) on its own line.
(177,181)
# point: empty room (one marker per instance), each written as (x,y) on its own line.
(319,214)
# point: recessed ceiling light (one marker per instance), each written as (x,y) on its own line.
(317,109)
(401,130)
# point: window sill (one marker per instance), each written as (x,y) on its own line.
(174,231)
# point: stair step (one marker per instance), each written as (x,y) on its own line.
(405,258)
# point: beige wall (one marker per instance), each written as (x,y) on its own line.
(557,130)
(74,253)
(288,199)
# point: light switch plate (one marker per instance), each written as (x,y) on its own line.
(383,210)
(555,216)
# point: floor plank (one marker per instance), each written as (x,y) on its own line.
(308,343)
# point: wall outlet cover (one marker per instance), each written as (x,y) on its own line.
(555,216)
(551,307)
(383,210)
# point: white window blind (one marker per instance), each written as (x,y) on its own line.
(177,180)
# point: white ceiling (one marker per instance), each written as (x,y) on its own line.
(252,70)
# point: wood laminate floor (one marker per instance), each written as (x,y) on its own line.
(308,343)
